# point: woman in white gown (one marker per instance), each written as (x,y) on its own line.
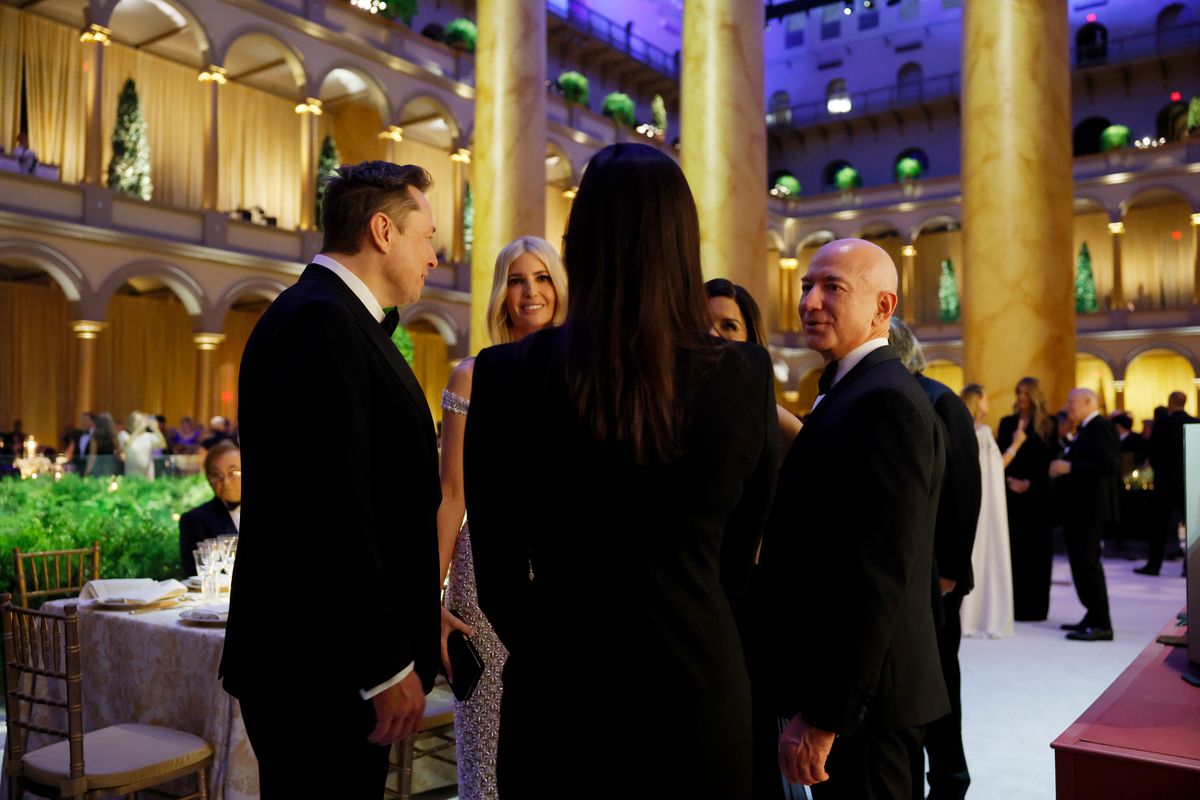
(988,609)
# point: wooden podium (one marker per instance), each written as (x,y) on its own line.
(1141,738)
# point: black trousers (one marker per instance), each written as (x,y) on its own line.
(1083,551)
(314,747)
(871,764)
(1164,524)
(948,775)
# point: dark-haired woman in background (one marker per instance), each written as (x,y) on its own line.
(1027,442)
(650,456)
(104,449)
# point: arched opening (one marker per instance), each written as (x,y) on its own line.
(146,359)
(1152,376)
(354,111)
(829,174)
(837,99)
(909,80)
(430,363)
(161,27)
(560,176)
(1092,251)
(1085,139)
(945,371)
(916,154)
(1157,258)
(1093,373)
(37,356)
(937,270)
(430,133)
(1171,122)
(1091,45)
(261,175)
(779,109)
(1169,30)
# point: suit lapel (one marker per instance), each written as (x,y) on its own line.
(375,333)
(872,358)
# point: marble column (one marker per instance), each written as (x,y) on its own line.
(1117,231)
(509,155)
(94,40)
(908,271)
(213,78)
(724,138)
(1196,260)
(85,331)
(1119,394)
(462,161)
(1018,287)
(308,110)
(206,345)
(789,301)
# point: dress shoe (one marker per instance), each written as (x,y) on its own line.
(1091,635)
(1146,570)
(1078,626)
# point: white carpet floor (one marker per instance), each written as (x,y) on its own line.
(1019,694)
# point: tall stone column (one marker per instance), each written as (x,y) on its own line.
(1018,275)
(206,345)
(213,78)
(308,110)
(1117,231)
(908,271)
(85,331)
(94,40)
(724,137)
(509,157)
(462,161)
(1196,265)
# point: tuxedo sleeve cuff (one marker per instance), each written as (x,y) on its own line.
(367,694)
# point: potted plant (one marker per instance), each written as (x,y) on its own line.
(574,87)
(1193,118)
(402,10)
(847,179)
(658,117)
(1114,137)
(461,34)
(619,107)
(785,185)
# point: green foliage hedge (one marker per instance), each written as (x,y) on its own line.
(1114,137)
(135,525)
(619,106)
(461,34)
(574,87)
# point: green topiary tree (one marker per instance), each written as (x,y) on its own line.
(908,169)
(847,179)
(129,169)
(785,185)
(461,34)
(658,113)
(403,10)
(574,87)
(619,106)
(948,307)
(1114,137)
(327,164)
(1085,282)
(1193,120)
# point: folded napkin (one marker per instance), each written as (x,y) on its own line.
(213,613)
(224,581)
(133,591)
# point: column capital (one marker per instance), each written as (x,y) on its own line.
(96,34)
(1116,228)
(790,263)
(1196,220)
(310,105)
(392,133)
(461,156)
(207,341)
(87,328)
(214,75)
(908,251)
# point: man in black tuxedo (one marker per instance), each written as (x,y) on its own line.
(1166,456)
(328,683)
(953,541)
(219,516)
(848,554)
(1086,488)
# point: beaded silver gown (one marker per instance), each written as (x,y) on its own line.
(476,721)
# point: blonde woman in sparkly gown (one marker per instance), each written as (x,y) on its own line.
(529,292)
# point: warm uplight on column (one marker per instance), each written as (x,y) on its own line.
(393,133)
(908,251)
(96,34)
(86,329)
(213,74)
(1116,228)
(311,105)
(789,263)
(461,156)
(208,341)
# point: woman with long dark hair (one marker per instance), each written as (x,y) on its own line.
(1026,439)
(618,474)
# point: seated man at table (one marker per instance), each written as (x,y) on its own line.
(220,516)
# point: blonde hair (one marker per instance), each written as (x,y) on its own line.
(499,324)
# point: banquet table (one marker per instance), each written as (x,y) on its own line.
(153,668)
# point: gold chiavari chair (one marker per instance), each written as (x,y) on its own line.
(54,573)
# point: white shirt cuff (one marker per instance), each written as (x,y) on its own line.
(367,694)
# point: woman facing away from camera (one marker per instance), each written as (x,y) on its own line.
(529,292)
(618,473)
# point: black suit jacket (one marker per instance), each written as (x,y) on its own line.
(962,487)
(358,528)
(1166,453)
(1088,493)
(207,521)
(849,555)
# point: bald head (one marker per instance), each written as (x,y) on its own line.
(1081,404)
(1176,401)
(849,296)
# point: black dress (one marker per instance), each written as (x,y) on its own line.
(1029,522)
(606,580)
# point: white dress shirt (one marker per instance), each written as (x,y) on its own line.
(850,361)
(376,310)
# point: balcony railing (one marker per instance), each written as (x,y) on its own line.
(615,35)
(1139,46)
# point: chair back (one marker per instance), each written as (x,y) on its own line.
(54,572)
(37,643)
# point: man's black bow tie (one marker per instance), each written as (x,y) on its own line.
(825,382)
(390,320)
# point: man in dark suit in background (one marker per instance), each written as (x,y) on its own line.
(358,535)
(953,541)
(1166,456)
(848,553)
(219,516)
(1086,489)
